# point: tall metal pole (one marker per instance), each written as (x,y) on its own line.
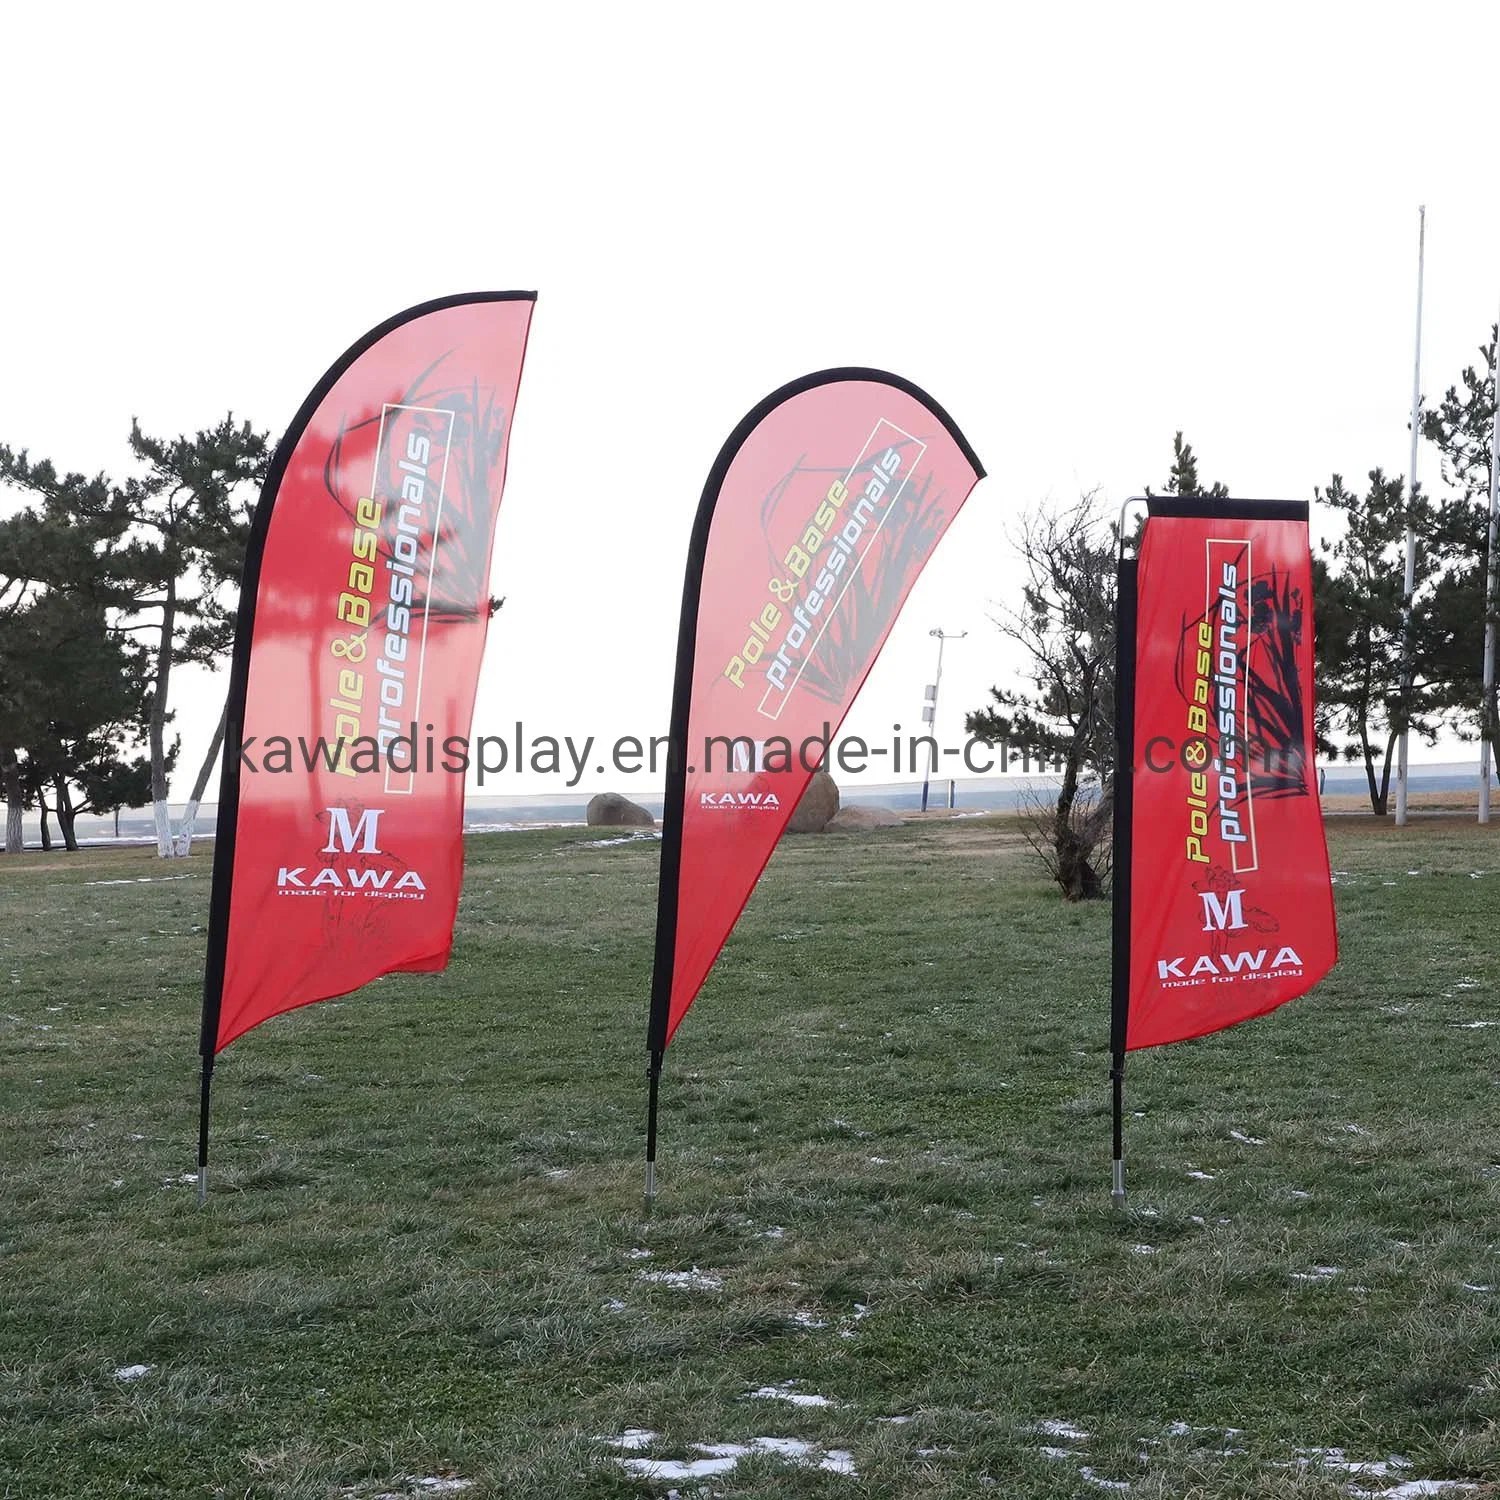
(1124,810)
(929,712)
(1487,705)
(1410,583)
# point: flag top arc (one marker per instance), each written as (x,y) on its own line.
(338,522)
(816,518)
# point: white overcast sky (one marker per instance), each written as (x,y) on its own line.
(1079,227)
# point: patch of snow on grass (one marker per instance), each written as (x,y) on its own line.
(1336,1458)
(631,1439)
(1201,1176)
(1412,1489)
(693,1280)
(861,1312)
(721,1458)
(1247,1140)
(133,1372)
(784,1392)
(1318,1273)
(1052,1428)
(1104,1484)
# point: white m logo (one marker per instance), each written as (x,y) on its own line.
(362,833)
(1217,914)
(748,755)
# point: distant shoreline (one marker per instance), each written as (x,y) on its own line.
(1449,784)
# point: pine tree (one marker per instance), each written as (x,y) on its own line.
(173,542)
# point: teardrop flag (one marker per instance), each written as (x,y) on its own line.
(818,516)
(363,610)
(1223,898)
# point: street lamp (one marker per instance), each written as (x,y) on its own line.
(929,709)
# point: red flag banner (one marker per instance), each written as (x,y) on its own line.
(819,514)
(1230,900)
(363,612)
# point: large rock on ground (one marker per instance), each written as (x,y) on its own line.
(819,803)
(611,810)
(857,819)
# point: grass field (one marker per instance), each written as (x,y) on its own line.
(423,1267)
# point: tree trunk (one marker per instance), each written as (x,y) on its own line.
(190,816)
(67,815)
(1076,874)
(15,796)
(1385,775)
(165,847)
(42,811)
(1377,793)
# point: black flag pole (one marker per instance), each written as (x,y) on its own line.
(227,810)
(664,963)
(227,817)
(1124,795)
(226,821)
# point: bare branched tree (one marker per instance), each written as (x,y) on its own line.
(1065,626)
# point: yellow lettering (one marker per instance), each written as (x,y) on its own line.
(354,610)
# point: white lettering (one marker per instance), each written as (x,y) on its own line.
(346,834)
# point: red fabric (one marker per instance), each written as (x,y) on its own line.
(825,517)
(1231,901)
(385,513)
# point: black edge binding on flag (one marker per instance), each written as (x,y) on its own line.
(227,811)
(1124,794)
(682,694)
(1211,507)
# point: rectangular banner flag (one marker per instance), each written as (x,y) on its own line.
(363,610)
(1223,900)
(817,518)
